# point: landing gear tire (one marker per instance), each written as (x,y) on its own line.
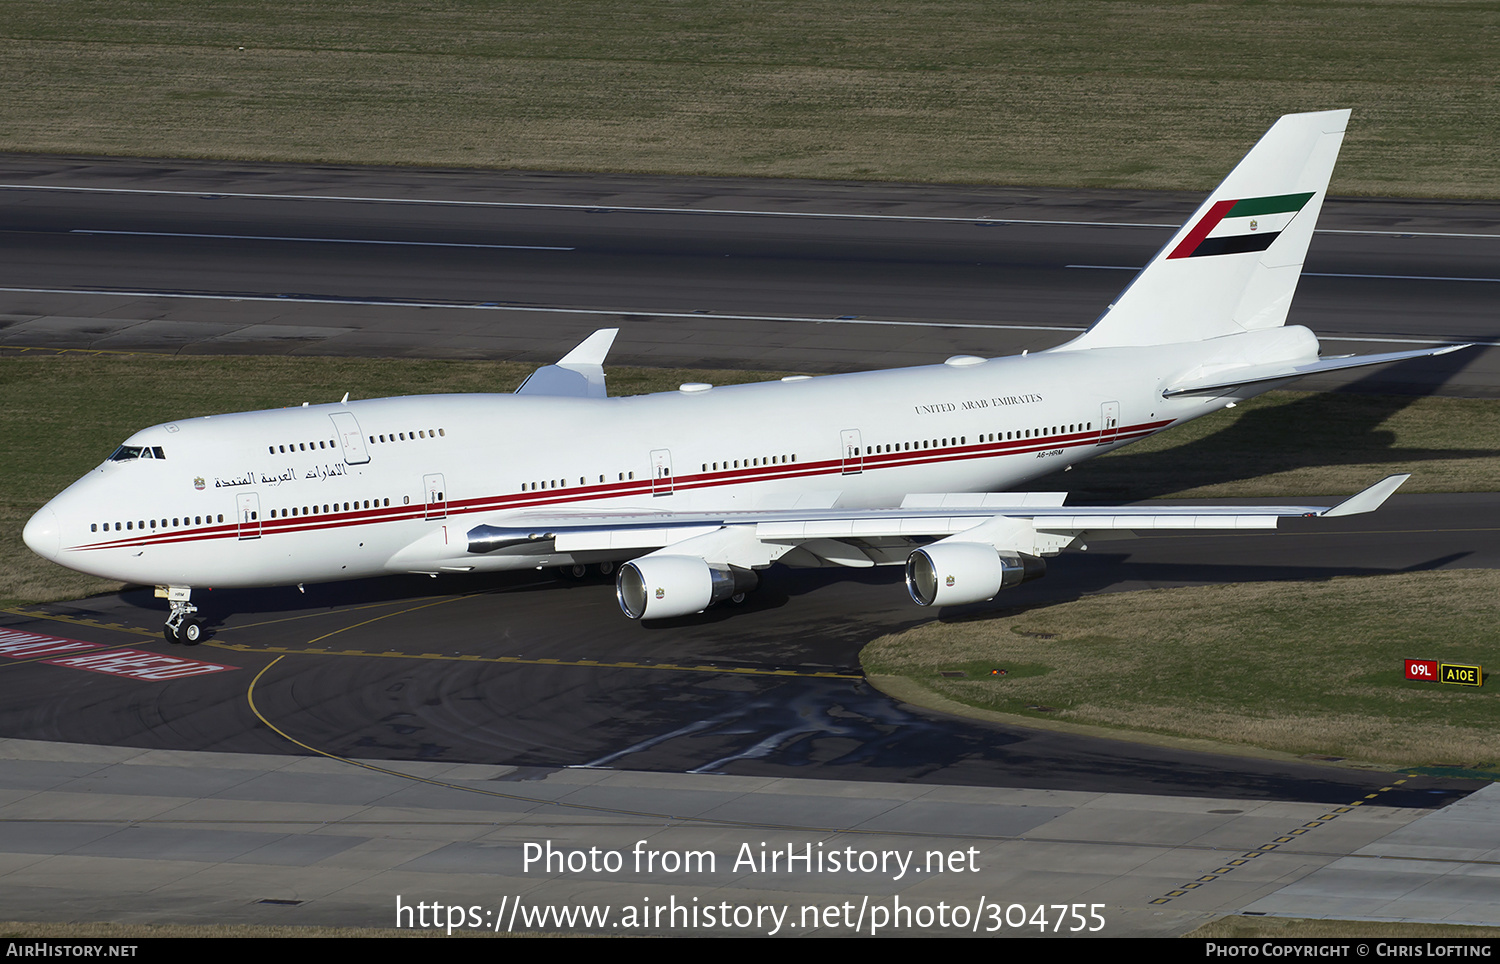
(605,568)
(575,571)
(182,626)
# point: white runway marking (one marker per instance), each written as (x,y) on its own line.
(644,209)
(619,312)
(600,208)
(1309,274)
(616,312)
(258,237)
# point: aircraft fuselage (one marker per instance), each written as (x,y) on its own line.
(287,496)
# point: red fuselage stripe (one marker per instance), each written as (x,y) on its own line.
(702,480)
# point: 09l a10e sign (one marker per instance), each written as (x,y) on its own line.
(1432,671)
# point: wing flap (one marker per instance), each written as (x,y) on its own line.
(646,537)
(1096,523)
(982,500)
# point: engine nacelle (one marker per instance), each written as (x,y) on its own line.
(954,573)
(660,587)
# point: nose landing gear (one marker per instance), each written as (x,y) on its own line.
(182,626)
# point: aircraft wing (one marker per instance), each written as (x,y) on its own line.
(1040,519)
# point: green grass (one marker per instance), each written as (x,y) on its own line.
(1294,667)
(1099,92)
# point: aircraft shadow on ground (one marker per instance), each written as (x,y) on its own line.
(778,586)
(216,604)
(1106,572)
(1072,576)
(1322,429)
(539,593)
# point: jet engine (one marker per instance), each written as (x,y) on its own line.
(953,573)
(660,587)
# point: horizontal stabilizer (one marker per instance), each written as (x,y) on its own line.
(1281,372)
(579,373)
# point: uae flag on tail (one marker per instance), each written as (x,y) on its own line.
(1249,224)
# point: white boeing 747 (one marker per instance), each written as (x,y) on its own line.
(690,492)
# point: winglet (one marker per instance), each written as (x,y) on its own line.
(1369,500)
(579,373)
(591,350)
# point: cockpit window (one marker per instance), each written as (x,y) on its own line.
(127,453)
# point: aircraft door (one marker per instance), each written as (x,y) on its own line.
(247,511)
(437,496)
(1109,422)
(351,438)
(661,472)
(853,453)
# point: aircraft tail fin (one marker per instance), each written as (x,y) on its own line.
(1234,265)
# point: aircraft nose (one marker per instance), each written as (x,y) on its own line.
(42,533)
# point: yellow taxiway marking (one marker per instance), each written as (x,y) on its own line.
(310,648)
(585,807)
(82,621)
(537,661)
(39,350)
(467,787)
(156,634)
(1230,865)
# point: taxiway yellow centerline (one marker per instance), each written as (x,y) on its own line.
(310,650)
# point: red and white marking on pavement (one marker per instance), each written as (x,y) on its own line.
(115,661)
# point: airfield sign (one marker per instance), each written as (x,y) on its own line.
(1432,671)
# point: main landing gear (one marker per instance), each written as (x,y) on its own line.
(182,626)
(580,571)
